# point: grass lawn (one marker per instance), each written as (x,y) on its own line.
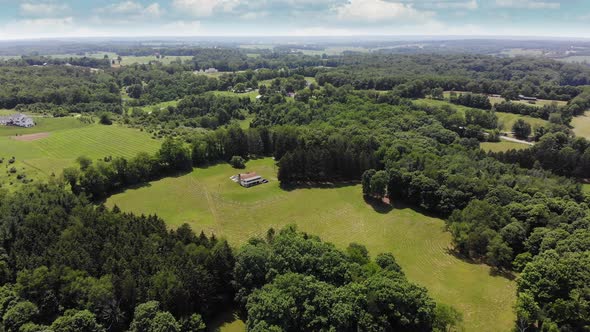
(252,94)
(502,146)
(507,120)
(159,106)
(68,139)
(581,125)
(208,200)
(43,125)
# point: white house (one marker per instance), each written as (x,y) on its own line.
(249,179)
(19,120)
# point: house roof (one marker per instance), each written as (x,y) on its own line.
(248,176)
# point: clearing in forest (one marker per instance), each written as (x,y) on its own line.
(207,201)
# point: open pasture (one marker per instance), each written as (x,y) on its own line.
(65,140)
(581,125)
(502,146)
(208,200)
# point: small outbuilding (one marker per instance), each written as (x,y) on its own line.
(249,179)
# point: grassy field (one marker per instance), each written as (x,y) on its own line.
(129,60)
(505,120)
(165,104)
(581,125)
(67,139)
(208,200)
(497,100)
(252,94)
(502,146)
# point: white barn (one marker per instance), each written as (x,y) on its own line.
(249,179)
(19,120)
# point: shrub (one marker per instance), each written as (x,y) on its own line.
(237,162)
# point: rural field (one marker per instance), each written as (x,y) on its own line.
(208,200)
(497,100)
(502,146)
(505,120)
(55,143)
(581,125)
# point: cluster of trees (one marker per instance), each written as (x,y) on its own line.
(204,111)
(73,88)
(47,60)
(543,78)
(67,265)
(151,84)
(471,100)
(293,281)
(561,154)
(553,113)
(100,178)
(429,156)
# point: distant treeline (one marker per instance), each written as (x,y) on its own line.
(73,88)
(83,61)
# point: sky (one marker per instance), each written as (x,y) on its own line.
(26,19)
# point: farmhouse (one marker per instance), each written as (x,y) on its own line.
(249,179)
(19,120)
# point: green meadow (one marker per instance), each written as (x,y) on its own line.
(67,139)
(209,201)
(502,146)
(581,125)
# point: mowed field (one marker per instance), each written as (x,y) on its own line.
(502,146)
(208,200)
(62,140)
(581,125)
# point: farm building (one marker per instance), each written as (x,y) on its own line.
(19,120)
(249,179)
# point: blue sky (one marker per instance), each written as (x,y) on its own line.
(69,18)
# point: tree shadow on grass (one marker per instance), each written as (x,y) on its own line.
(317,185)
(378,205)
(494,271)
(141,185)
(226,317)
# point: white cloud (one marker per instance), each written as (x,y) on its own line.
(528,4)
(201,8)
(132,9)
(43,9)
(471,5)
(379,10)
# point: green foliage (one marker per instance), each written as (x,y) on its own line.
(19,314)
(446,318)
(358,253)
(237,162)
(521,129)
(73,321)
(308,285)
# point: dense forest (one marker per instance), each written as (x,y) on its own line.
(69,263)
